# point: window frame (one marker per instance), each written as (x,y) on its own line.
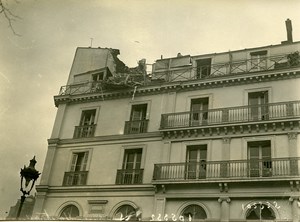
(74,151)
(134,147)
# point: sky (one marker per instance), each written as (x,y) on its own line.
(35,63)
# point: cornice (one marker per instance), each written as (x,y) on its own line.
(100,188)
(112,138)
(182,86)
(234,130)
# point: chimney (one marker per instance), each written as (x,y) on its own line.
(289,30)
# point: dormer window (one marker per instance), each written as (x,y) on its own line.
(98,77)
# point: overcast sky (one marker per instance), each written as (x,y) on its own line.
(34,65)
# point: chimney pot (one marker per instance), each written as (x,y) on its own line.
(289,30)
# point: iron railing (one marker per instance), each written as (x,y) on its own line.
(76,178)
(84,131)
(264,63)
(137,126)
(232,169)
(270,111)
(276,62)
(132,176)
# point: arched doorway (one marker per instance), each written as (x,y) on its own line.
(125,212)
(260,212)
(193,212)
(69,211)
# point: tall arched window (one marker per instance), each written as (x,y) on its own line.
(260,212)
(125,212)
(69,211)
(193,212)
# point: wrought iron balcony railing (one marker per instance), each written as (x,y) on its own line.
(270,111)
(232,169)
(137,126)
(76,178)
(264,63)
(84,131)
(276,62)
(132,176)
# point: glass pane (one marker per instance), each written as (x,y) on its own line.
(194,212)
(266,152)
(130,157)
(192,155)
(254,152)
(125,212)
(203,154)
(70,212)
(79,162)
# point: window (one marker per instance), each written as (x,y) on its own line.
(96,81)
(138,122)
(87,125)
(203,68)
(196,161)
(78,170)
(260,212)
(98,77)
(258,105)
(131,172)
(258,60)
(199,111)
(69,211)
(259,155)
(125,213)
(193,212)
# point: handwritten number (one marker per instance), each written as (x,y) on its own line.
(275,203)
(174,217)
(152,217)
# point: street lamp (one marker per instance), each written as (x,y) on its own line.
(28,177)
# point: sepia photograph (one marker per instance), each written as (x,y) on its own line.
(150,110)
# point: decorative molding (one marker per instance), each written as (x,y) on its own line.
(226,140)
(221,199)
(223,187)
(97,201)
(293,198)
(189,85)
(112,138)
(53,141)
(231,130)
(292,135)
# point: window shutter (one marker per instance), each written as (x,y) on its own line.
(85,159)
(74,161)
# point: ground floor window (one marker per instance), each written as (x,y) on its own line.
(69,211)
(125,213)
(193,212)
(260,212)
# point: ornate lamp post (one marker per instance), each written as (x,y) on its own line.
(28,177)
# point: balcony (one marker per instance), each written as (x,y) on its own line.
(227,170)
(139,126)
(84,131)
(77,178)
(132,176)
(241,114)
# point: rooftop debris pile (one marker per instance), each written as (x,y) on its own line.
(125,77)
(123,80)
